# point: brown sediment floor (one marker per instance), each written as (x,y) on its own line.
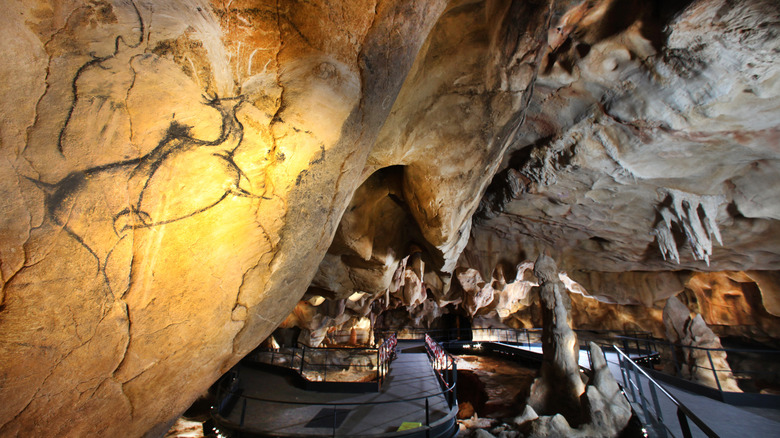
(505,383)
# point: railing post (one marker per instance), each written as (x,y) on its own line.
(427,415)
(334,420)
(712,366)
(647,347)
(624,373)
(673,352)
(684,427)
(303,357)
(639,388)
(659,416)
(453,391)
(243,412)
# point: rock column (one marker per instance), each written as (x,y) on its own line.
(559,385)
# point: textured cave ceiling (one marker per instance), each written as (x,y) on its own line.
(180,177)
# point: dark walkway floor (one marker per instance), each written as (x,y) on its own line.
(300,412)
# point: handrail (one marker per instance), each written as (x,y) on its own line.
(300,362)
(444,365)
(388,346)
(696,347)
(654,347)
(640,345)
(416,431)
(381,402)
(682,411)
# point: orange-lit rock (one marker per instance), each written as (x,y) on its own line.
(174,171)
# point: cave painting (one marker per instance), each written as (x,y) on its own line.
(179,178)
(200,166)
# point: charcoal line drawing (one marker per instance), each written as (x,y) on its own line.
(89,204)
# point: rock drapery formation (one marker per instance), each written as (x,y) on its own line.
(178,175)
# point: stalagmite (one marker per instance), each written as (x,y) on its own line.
(567,407)
(559,385)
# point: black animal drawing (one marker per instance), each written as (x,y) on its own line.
(180,178)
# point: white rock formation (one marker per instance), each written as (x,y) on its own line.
(696,216)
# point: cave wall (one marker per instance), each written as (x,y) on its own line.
(173,173)
(178,176)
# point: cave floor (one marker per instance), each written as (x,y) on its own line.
(506,384)
(410,376)
(726,420)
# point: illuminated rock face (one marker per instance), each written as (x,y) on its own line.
(173,172)
(176,174)
(696,364)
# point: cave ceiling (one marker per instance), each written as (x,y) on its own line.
(181,177)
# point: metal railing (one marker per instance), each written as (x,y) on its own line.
(744,365)
(521,336)
(441,427)
(446,367)
(332,364)
(230,394)
(358,337)
(638,382)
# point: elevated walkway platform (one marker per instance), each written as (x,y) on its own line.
(270,404)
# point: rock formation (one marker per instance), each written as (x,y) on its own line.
(559,385)
(606,411)
(697,362)
(178,176)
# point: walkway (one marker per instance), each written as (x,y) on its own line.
(724,419)
(305,413)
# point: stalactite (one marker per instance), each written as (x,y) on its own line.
(696,215)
